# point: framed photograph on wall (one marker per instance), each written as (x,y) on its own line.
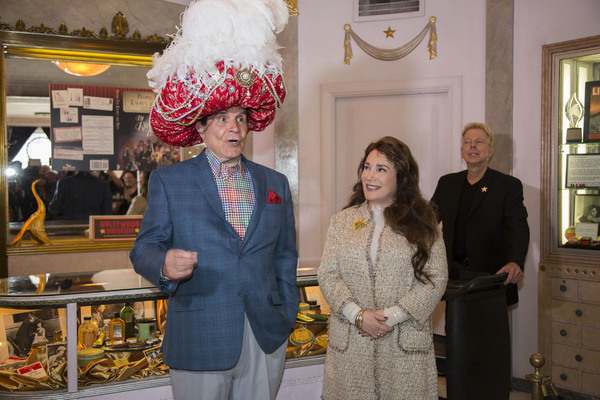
(591,118)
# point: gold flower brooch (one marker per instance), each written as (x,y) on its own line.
(359,223)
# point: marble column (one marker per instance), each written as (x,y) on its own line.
(499,80)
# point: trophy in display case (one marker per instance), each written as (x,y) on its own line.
(574,113)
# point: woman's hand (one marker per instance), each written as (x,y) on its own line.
(374,325)
(128,192)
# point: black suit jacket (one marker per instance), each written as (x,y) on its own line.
(497,231)
(81,195)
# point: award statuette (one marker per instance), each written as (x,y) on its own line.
(574,113)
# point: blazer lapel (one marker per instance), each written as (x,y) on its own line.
(260,193)
(202,174)
(454,197)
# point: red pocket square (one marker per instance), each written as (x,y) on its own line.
(273,198)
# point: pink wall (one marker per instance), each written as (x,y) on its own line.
(461,52)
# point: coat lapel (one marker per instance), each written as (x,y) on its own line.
(454,197)
(202,174)
(260,193)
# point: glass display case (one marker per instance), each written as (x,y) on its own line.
(308,343)
(579,138)
(41,334)
(39,350)
(571,145)
(569,270)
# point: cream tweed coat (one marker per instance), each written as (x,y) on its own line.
(400,365)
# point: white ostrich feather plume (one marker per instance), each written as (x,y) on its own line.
(241,33)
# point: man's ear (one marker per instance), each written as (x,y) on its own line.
(201,129)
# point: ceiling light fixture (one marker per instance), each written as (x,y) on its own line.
(81,69)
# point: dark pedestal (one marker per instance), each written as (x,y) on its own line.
(477,344)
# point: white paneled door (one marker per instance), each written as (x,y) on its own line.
(424,114)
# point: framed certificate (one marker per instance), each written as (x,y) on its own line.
(583,171)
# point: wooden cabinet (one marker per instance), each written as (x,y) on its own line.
(570,326)
(569,271)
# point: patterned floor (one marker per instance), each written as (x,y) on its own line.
(513,395)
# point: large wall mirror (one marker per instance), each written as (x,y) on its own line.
(42,140)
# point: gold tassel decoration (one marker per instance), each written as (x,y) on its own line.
(35,223)
(292,6)
(391,54)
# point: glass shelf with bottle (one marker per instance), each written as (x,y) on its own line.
(54,326)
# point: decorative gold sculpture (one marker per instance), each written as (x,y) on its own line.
(120,29)
(119,26)
(34,224)
(541,385)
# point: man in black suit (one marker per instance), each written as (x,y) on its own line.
(81,195)
(484,220)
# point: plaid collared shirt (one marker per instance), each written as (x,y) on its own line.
(236,192)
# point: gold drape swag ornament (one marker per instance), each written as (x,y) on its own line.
(392,54)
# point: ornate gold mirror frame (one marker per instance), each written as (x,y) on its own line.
(44,43)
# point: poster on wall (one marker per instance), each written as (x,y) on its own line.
(94,127)
(591,121)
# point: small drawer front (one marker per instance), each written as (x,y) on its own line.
(576,357)
(564,288)
(590,336)
(590,291)
(576,312)
(565,333)
(563,377)
(590,383)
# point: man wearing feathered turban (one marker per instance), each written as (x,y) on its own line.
(219,233)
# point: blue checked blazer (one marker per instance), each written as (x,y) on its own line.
(256,277)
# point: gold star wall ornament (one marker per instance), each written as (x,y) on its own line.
(484,189)
(389,32)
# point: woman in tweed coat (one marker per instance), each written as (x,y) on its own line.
(383,272)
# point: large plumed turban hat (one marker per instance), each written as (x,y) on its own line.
(224,55)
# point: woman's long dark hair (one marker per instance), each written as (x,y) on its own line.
(410,215)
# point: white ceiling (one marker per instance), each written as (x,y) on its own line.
(27,111)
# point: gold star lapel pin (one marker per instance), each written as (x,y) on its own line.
(484,189)
(389,32)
